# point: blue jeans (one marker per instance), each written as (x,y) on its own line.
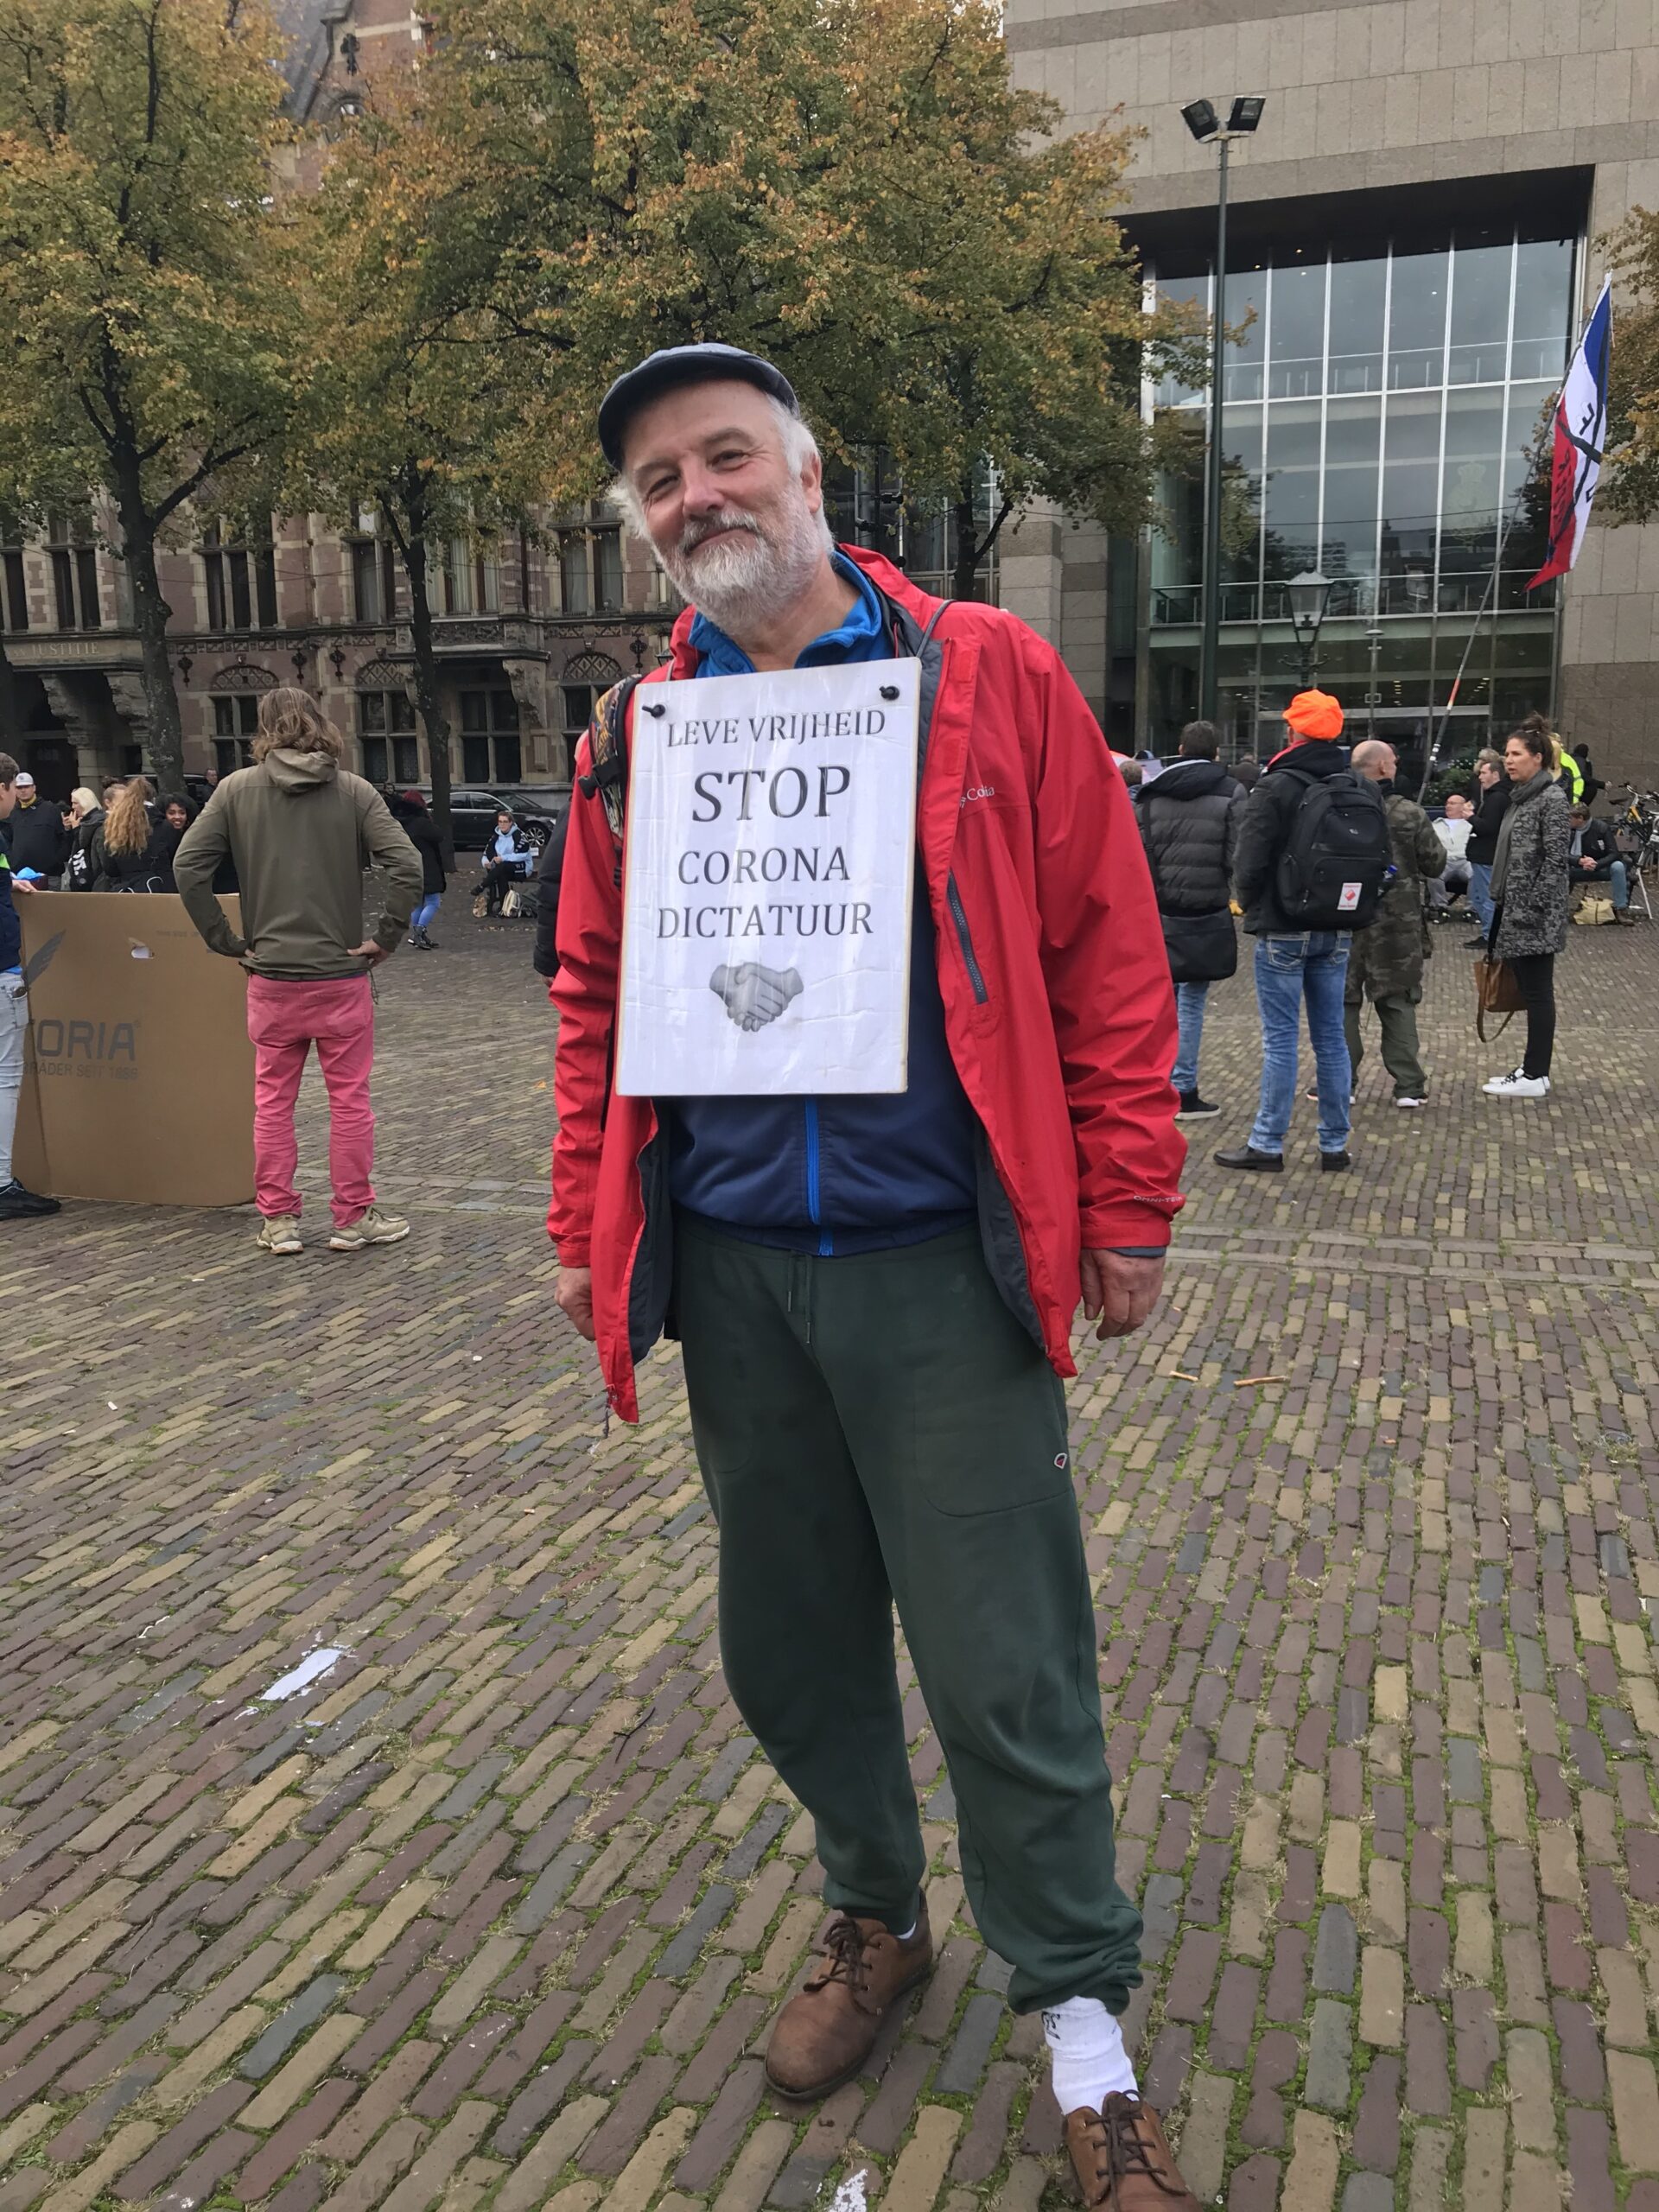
(1313,966)
(1189,1015)
(427,912)
(1480,894)
(1615,876)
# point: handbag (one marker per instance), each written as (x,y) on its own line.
(1495,992)
(1594,911)
(1200,948)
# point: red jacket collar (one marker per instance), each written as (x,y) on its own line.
(891,582)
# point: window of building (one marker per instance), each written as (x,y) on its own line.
(386,737)
(241,581)
(491,751)
(471,577)
(374,579)
(1379,421)
(587,677)
(14,587)
(75,573)
(590,570)
(236,723)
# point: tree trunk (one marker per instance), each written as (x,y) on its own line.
(426,687)
(968,550)
(149,613)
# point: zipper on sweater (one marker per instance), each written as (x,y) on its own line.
(814,1195)
(959,916)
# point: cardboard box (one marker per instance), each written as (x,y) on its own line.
(138,1074)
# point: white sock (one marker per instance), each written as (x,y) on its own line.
(1091,2064)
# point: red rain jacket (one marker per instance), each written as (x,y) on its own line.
(1058,1005)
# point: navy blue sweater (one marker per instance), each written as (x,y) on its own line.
(847,1174)
(11,930)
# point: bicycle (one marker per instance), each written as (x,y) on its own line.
(1636,831)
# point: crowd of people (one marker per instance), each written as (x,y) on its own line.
(1338,874)
(119,838)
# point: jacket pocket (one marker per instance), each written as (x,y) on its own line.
(964,938)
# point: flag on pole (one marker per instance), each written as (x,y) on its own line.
(1581,440)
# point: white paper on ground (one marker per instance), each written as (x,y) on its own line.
(766,909)
(311,1668)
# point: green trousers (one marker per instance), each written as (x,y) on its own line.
(1401,1055)
(877,1428)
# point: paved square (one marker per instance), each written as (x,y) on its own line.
(495,1911)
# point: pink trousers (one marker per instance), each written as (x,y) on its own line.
(284,1020)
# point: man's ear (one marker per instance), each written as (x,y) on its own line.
(812,482)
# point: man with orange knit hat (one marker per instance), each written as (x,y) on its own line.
(1311,866)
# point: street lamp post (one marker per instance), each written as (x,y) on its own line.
(1310,596)
(1205,123)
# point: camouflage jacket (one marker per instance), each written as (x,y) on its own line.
(1386,960)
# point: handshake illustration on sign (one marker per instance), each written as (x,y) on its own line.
(755,996)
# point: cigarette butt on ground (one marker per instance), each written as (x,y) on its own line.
(1180,1375)
(1245,1382)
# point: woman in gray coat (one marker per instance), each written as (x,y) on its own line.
(1529,899)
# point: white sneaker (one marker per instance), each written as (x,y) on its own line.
(1410,1105)
(1517,1084)
(279,1232)
(374,1227)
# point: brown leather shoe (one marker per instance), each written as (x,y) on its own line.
(825,2034)
(1123,2161)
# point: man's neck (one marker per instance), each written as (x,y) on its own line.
(823,605)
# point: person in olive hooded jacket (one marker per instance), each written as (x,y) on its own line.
(302,832)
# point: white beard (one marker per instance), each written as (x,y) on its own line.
(745,581)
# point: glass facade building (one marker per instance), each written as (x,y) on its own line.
(1382,409)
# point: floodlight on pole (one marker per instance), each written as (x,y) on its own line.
(1203,121)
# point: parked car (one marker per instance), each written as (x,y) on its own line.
(473,813)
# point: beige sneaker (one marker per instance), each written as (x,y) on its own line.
(374,1227)
(280,1232)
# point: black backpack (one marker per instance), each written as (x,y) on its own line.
(1337,859)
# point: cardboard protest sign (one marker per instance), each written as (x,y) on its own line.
(137,1074)
(766,917)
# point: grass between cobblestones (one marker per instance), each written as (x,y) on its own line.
(496,1916)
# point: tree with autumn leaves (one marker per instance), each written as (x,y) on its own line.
(147,312)
(410,405)
(855,188)
(858,191)
(1630,489)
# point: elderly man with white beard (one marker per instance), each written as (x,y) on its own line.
(874,1294)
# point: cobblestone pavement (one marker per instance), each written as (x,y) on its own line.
(495,1913)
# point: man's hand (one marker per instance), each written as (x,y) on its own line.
(17,884)
(1119,1292)
(1586,861)
(373,953)
(575,1293)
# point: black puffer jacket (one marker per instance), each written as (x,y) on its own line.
(1188,820)
(1264,827)
(545,959)
(1490,808)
